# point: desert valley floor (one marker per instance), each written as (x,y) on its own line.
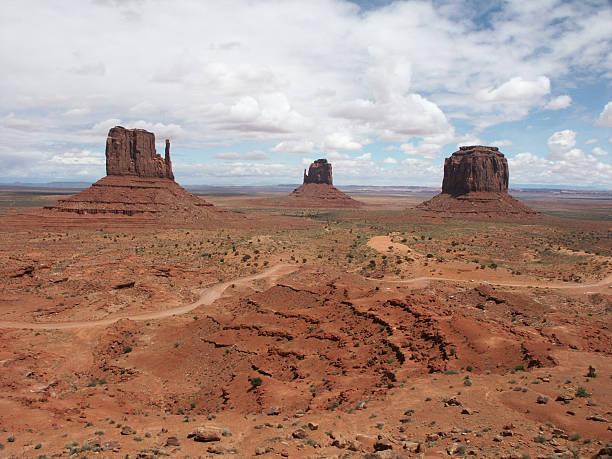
(369,332)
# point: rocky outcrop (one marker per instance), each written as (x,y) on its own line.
(138,182)
(475,184)
(475,169)
(319,172)
(131,152)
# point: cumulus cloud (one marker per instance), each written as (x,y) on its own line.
(516,88)
(559,103)
(79,158)
(13,122)
(561,142)
(605,117)
(302,147)
(341,141)
(598,151)
(591,141)
(390,160)
(337,69)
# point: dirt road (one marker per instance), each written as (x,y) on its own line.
(211,294)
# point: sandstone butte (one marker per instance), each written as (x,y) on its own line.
(138,182)
(318,190)
(476,183)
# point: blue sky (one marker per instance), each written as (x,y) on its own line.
(251,92)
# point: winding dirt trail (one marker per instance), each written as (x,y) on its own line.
(602,283)
(211,294)
(208,296)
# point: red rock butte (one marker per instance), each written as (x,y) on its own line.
(138,182)
(476,183)
(318,190)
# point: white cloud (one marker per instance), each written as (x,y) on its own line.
(516,88)
(302,147)
(501,143)
(103,127)
(256,155)
(605,117)
(559,103)
(598,151)
(389,160)
(13,122)
(591,141)
(75,112)
(229,156)
(341,141)
(359,73)
(561,142)
(79,158)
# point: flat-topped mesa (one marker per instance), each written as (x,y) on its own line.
(131,152)
(319,172)
(475,168)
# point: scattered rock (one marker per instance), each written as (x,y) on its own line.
(114,446)
(274,411)
(127,430)
(596,417)
(300,434)
(382,444)
(313,426)
(216,449)
(452,402)
(260,451)
(542,400)
(205,434)
(568,394)
(173,441)
(412,446)
(455,448)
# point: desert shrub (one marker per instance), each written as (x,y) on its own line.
(256,382)
(591,373)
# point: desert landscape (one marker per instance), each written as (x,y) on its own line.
(139,320)
(323,229)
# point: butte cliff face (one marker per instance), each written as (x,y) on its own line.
(475,169)
(319,172)
(475,183)
(132,152)
(139,182)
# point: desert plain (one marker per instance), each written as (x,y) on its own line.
(285,332)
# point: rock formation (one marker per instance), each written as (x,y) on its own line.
(132,152)
(475,183)
(473,169)
(319,172)
(138,182)
(318,190)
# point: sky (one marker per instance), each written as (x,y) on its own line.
(251,91)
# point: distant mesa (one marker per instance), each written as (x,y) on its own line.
(476,183)
(138,181)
